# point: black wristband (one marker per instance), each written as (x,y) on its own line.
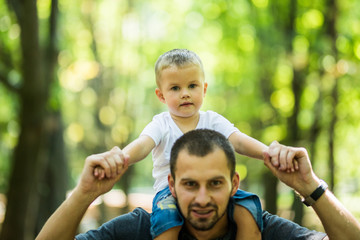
(310,200)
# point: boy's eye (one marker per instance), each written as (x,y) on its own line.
(175,88)
(192,86)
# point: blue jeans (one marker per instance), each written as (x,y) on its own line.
(165,214)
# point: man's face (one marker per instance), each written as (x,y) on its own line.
(202,187)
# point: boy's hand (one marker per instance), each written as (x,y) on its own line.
(113,167)
(99,172)
(111,160)
(304,181)
(282,158)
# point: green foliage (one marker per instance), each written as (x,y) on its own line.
(250,52)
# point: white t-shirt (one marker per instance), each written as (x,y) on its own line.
(164,131)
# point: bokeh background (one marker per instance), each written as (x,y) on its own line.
(77,78)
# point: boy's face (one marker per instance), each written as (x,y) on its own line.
(202,187)
(182,89)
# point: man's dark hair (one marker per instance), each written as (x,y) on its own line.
(202,142)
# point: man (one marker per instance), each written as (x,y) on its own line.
(202,182)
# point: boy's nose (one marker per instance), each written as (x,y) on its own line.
(185,93)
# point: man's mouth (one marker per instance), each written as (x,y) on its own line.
(205,213)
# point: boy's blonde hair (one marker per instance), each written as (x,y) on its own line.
(178,58)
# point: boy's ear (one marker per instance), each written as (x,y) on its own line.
(171,182)
(235,183)
(160,95)
(205,87)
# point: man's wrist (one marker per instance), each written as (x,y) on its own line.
(310,199)
(84,196)
(307,186)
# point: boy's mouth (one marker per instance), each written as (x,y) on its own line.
(185,104)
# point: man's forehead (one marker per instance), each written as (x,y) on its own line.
(193,166)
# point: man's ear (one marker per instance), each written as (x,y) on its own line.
(235,183)
(160,95)
(171,182)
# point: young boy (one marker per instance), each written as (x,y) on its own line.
(181,86)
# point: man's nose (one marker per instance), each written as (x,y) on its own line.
(202,197)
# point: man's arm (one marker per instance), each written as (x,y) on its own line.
(64,222)
(338,222)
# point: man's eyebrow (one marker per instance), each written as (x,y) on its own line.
(186,179)
(218,178)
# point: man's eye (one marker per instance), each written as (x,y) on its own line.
(175,88)
(190,184)
(216,183)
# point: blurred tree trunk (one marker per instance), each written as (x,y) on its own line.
(270,183)
(269,180)
(266,73)
(54,184)
(331,31)
(22,200)
(31,153)
(298,83)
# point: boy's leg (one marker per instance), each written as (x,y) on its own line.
(171,233)
(166,220)
(246,224)
(247,215)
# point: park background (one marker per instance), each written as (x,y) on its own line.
(77,78)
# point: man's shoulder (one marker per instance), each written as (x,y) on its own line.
(140,212)
(134,225)
(276,227)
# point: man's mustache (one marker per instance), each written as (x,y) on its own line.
(208,205)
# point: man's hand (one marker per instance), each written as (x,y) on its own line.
(119,159)
(66,219)
(304,180)
(114,165)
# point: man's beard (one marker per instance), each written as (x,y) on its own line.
(204,224)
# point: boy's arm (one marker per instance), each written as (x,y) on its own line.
(253,148)
(248,146)
(138,149)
